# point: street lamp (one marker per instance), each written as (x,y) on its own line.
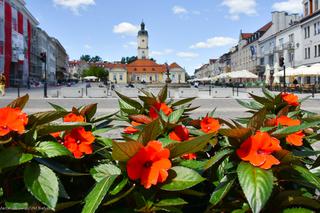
(168,80)
(43,58)
(281,64)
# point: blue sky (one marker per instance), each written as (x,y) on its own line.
(189,32)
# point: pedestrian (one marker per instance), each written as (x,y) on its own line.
(2,84)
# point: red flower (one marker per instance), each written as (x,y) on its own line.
(291,99)
(258,148)
(209,125)
(180,133)
(191,156)
(12,120)
(155,109)
(296,138)
(72,117)
(79,141)
(150,164)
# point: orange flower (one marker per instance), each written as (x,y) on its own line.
(291,99)
(12,120)
(180,133)
(55,134)
(150,164)
(153,113)
(209,125)
(257,149)
(131,129)
(72,117)
(79,141)
(296,138)
(191,156)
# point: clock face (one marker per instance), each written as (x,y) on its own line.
(142,40)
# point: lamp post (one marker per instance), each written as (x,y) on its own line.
(281,63)
(168,80)
(43,58)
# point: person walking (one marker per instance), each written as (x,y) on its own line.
(2,84)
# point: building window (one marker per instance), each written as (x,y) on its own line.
(306,9)
(316,5)
(291,38)
(281,42)
(317,28)
(315,51)
(271,61)
(114,77)
(307,53)
(120,78)
(307,32)
(262,61)
(150,78)
(318,49)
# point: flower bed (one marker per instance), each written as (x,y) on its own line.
(165,161)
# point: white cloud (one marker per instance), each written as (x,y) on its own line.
(214,42)
(126,28)
(238,7)
(161,53)
(187,55)
(179,10)
(291,6)
(74,5)
(87,46)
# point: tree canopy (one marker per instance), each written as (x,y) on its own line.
(95,71)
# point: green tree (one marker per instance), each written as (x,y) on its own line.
(96,71)
(96,59)
(85,58)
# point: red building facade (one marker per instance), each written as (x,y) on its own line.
(16,24)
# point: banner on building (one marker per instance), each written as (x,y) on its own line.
(17,47)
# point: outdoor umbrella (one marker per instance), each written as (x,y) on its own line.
(267,74)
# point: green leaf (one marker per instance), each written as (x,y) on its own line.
(292,129)
(268,93)
(256,184)
(297,210)
(51,128)
(19,102)
(89,111)
(250,105)
(129,101)
(193,164)
(237,133)
(261,100)
(307,175)
(191,146)
(103,117)
(52,149)
(120,186)
(40,118)
(181,178)
(222,190)
(57,107)
(217,157)
(163,94)
(123,151)
(127,108)
(42,183)
(171,202)
(104,170)
(175,116)
(13,156)
(150,132)
(258,119)
(183,101)
(95,197)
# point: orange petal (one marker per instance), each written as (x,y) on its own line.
(270,161)
(295,139)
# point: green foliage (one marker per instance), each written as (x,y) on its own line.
(98,72)
(256,184)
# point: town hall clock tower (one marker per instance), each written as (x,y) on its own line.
(143,48)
